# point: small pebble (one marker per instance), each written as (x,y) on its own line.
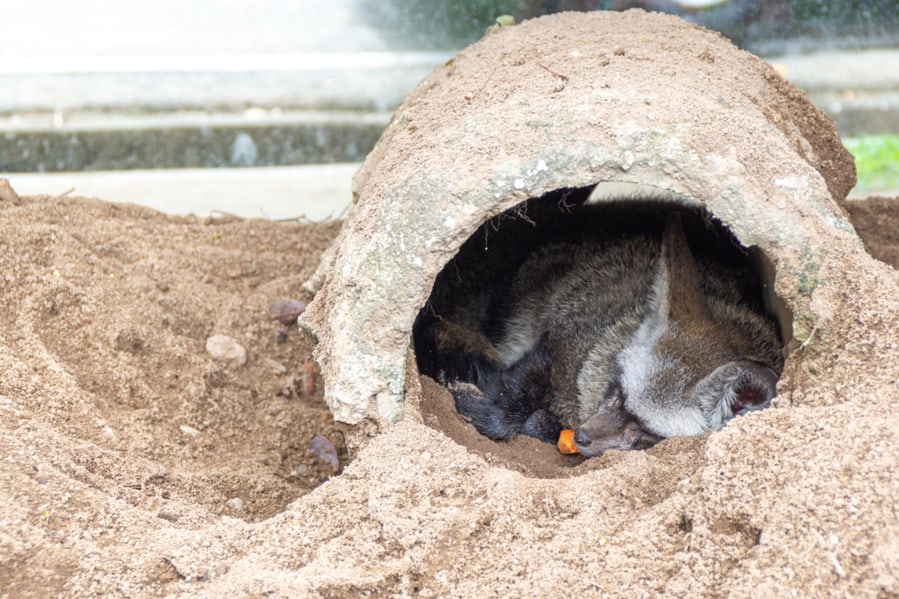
(286,311)
(323,448)
(235,504)
(170,516)
(225,348)
(275,367)
(188,430)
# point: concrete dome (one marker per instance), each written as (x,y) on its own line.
(575,100)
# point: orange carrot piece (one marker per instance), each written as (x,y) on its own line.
(566,442)
(308,379)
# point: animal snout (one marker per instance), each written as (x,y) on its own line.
(587,445)
(581,438)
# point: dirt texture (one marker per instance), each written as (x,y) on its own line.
(874,220)
(124,444)
(108,390)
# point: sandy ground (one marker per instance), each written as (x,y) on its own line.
(105,371)
(135,464)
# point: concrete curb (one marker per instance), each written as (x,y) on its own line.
(253,137)
(157,118)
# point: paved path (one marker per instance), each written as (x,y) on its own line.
(316,192)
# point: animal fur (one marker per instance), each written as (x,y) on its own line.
(628,341)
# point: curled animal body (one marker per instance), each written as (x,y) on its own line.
(627,338)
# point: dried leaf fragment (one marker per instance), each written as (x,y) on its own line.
(308,379)
(323,448)
(286,311)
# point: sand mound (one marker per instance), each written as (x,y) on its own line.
(102,346)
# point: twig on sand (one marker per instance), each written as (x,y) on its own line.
(553,73)
(60,196)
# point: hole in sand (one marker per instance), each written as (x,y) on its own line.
(463,333)
(114,351)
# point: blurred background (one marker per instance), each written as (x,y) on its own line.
(266,108)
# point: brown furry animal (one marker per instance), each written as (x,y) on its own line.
(628,341)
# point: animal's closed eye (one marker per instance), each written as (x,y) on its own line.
(614,393)
(644,439)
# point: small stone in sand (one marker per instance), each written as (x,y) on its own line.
(188,430)
(225,348)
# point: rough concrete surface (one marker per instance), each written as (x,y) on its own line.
(551,104)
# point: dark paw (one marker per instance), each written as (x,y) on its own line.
(510,401)
(542,425)
(489,418)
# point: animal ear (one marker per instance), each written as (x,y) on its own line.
(735,389)
(679,293)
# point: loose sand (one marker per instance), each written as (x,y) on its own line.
(125,445)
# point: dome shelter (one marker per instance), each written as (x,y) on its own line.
(627,105)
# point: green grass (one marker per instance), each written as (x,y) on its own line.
(876,160)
